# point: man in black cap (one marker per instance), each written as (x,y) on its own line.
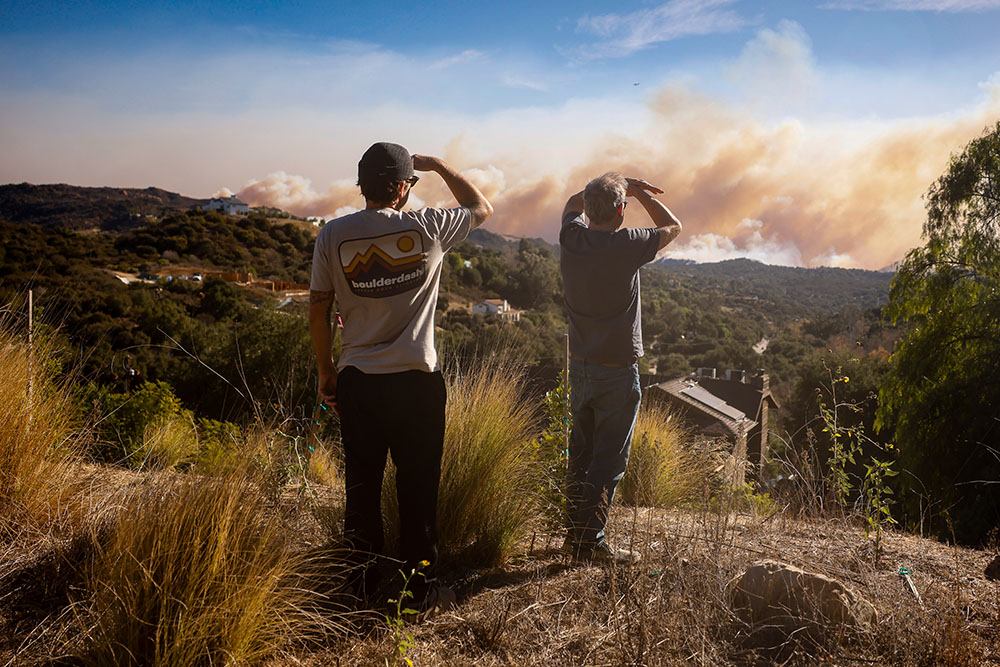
(384,264)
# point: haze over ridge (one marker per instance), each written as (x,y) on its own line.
(791,192)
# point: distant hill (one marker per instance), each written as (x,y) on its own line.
(503,242)
(79,208)
(808,290)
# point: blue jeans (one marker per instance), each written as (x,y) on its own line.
(605,402)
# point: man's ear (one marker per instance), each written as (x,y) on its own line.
(400,193)
(621,210)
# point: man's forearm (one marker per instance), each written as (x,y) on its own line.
(658,211)
(465,193)
(573,205)
(320,306)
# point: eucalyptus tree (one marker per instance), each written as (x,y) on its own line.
(941,397)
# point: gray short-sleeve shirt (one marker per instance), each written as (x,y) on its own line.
(384,267)
(600,275)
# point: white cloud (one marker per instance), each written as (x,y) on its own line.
(776,66)
(516,81)
(914,5)
(628,33)
(467,56)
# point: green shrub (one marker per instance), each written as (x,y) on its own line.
(217,443)
(123,420)
(167,443)
(552,452)
(744,497)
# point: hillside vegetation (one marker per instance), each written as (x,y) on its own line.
(234,557)
(224,353)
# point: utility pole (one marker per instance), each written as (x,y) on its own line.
(31,354)
(565,384)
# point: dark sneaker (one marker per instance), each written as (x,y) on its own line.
(605,553)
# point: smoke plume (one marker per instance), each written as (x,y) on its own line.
(846,193)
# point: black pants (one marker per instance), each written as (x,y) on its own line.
(401,414)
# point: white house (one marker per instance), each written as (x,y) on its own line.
(497,308)
(231,206)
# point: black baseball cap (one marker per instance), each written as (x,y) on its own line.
(385,161)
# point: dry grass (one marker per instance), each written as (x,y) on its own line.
(672,608)
(38,441)
(164,568)
(491,482)
(191,572)
(664,470)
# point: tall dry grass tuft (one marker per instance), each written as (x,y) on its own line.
(490,479)
(193,571)
(664,470)
(38,441)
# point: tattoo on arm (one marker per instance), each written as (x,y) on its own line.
(324,299)
(320,297)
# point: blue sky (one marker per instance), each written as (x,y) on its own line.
(772,122)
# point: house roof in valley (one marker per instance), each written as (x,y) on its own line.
(687,390)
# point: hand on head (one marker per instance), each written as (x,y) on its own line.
(637,185)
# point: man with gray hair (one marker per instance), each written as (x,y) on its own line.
(600,272)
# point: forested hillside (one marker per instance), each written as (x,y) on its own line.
(191,333)
(114,300)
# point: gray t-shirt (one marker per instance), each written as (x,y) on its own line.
(600,275)
(384,267)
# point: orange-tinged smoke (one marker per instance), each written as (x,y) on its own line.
(845,193)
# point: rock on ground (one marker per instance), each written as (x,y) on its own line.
(779,600)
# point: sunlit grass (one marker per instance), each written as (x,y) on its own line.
(38,442)
(490,479)
(663,468)
(192,572)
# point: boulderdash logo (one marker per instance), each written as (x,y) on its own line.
(385,265)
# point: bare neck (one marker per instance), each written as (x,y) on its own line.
(609,226)
(373,205)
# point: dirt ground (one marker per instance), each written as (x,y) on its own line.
(540,608)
